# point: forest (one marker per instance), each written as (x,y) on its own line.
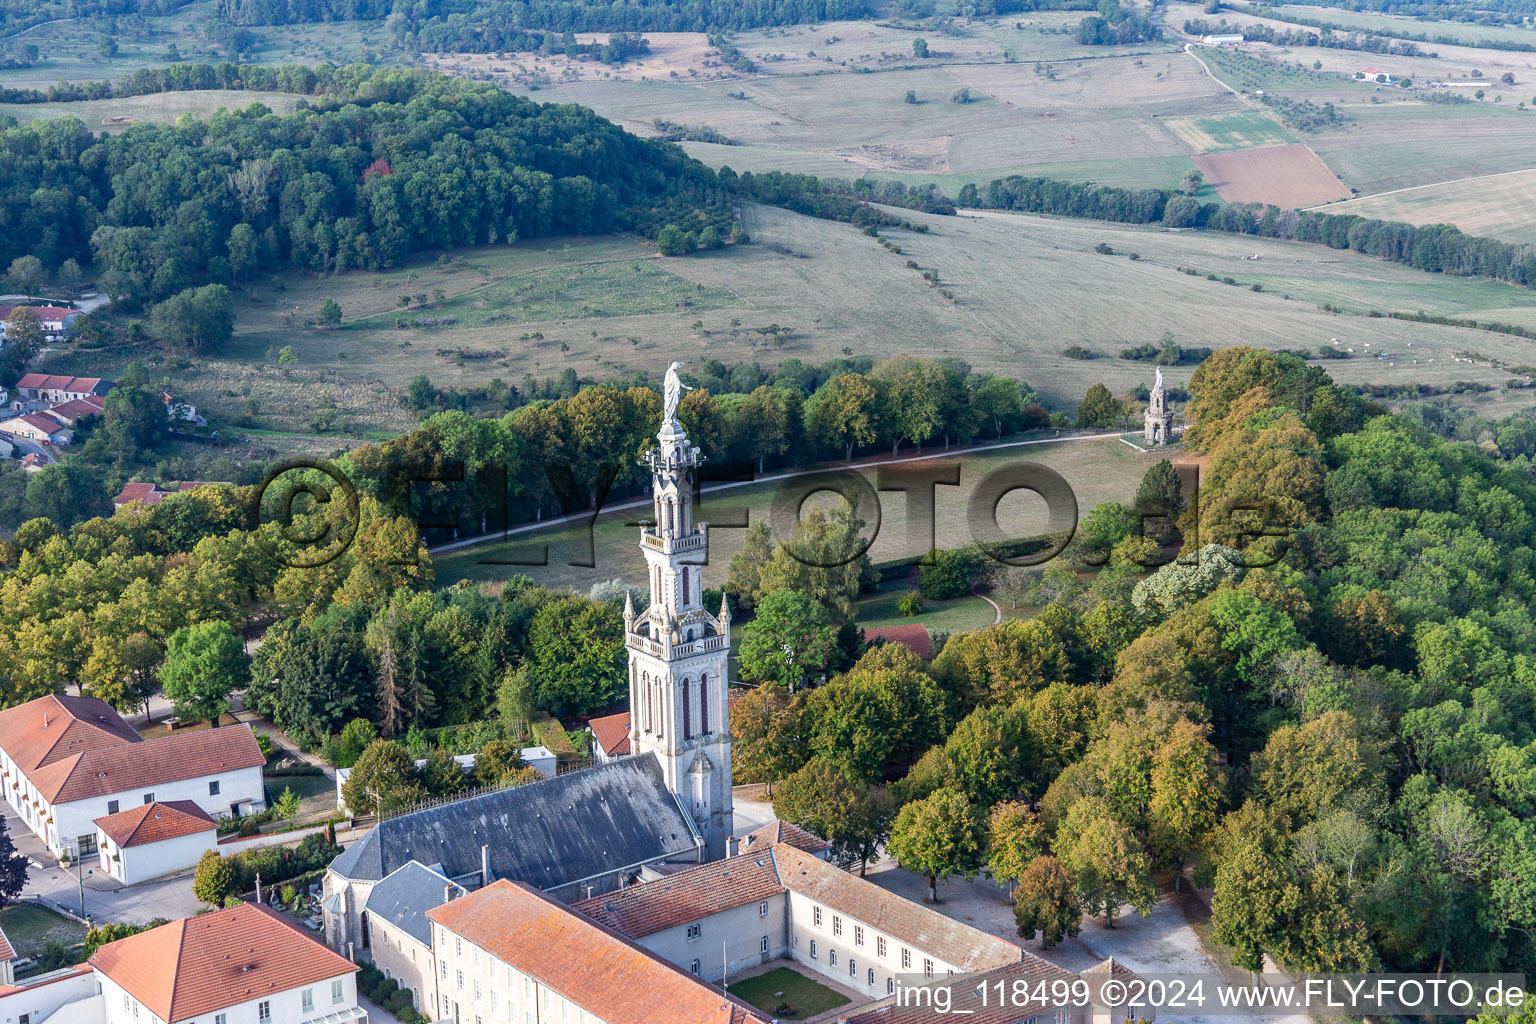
(412,161)
(1335,724)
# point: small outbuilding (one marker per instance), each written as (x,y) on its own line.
(154,840)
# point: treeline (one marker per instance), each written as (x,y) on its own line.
(1437,248)
(499,25)
(413,161)
(1444,40)
(838,198)
(561,455)
(1340,39)
(1115,25)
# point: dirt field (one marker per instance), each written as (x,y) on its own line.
(1498,205)
(1290,175)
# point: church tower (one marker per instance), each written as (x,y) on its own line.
(677,649)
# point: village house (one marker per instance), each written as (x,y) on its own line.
(509,952)
(57,321)
(73,411)
(154,493)
(37,427)
(32,462)
(54,997)
(68,763)
(51,389)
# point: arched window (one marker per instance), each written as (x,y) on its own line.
(661,709)
(687,728)
(704,704)
(685,586)
(656,587)
(650,718)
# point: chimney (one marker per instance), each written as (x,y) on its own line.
(45,719)
(731,846)
(448,893)
(485,865)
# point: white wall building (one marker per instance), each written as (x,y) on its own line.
(153,840)
(67,761)
(509,953)
(244,965)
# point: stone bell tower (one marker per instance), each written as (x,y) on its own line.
(677,649)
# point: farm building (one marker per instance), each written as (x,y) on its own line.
(1224,40)
(50,389)
(57,320)
(1375,75)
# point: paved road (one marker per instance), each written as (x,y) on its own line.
(105,898)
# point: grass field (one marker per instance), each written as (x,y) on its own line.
(1243,130)
(959,615)
(787,987)
(1098,470)
(116,115)
(1500,206)
(29,927)
(1462,31)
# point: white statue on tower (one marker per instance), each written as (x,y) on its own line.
(672,390)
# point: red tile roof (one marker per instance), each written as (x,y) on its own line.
(592,966)
(40,422)
(958,944)
(156,822)
(687,896)
(203,964)
(913,636)
(59,382)
(6,952)
(780,831)
(56,727)
(70,411)
(612,732)
(184,755)
(147,493)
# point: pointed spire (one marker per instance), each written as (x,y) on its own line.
(629,605)
(725,608)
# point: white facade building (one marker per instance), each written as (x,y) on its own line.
(67,761)
(242,965)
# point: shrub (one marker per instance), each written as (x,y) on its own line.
(950,576)
(910,603)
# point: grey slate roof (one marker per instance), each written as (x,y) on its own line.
(548,833)
(404,898)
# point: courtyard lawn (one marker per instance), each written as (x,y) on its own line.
(802,998)
(957,616)
(29,927)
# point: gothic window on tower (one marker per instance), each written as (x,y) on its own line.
(685,586)
(704,704)
(687,727)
